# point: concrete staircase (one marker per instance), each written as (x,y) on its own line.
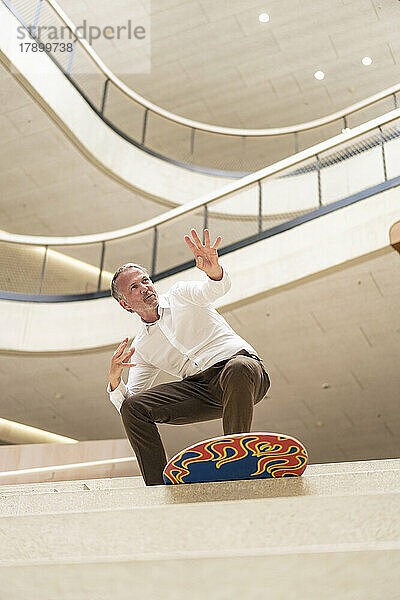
(332,534)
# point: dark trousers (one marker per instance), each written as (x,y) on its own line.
(229,389)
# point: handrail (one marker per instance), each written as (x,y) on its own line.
(206,199)
(91,463)
(198,125)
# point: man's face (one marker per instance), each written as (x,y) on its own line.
(138,289)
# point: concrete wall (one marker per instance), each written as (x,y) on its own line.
(28,456)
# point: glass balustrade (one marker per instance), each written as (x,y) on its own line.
(220,151)
(263,205)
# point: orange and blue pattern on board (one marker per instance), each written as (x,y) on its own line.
(246,456)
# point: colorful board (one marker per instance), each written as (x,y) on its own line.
(238,456)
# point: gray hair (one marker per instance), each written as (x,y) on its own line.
(115,292)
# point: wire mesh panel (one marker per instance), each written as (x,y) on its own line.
(290,193)
(20,268)
(353,167)
(263,151)
(220,152)
(43,32)
(86,76)
(127,115)
(168,138)
(90,258)
(26,10)
(391,138)
(134,249)
(71,270)
(54,35)
(171,247)
(235,217)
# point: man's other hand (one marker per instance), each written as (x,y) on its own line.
(119,362)
(206,256)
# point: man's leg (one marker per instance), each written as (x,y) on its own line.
(243,382)
(177,403)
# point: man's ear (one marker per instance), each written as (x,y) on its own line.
(124,304)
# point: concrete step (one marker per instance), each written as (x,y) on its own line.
(354,466)
(78,500)
(333,575)
(122,482)
(227,528)
(62,486)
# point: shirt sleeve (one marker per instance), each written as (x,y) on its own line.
(204,292)
(140,378)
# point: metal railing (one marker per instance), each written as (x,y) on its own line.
(223,151)
(332,174)
(66,467)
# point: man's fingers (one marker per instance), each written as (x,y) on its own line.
(121,347)
(217,242)
(128,365)
(190,244)
(125,356)
(196,238)
(206,238)
(196,251)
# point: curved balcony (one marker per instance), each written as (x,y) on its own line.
(201,147)
(337,173)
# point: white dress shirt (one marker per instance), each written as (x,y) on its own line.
(189,337)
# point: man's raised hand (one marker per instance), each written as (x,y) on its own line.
(119,362)
(206,255)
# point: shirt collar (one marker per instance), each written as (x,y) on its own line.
(163,301)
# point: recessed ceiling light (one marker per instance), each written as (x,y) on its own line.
(366,61)
(263,18)
(319,75)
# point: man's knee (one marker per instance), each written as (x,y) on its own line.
(247,374)
(239,368)
(134,407)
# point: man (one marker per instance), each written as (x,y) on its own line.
(181,333)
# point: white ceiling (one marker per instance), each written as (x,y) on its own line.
(341,329)
(210,60)
(214,61)
(46,185)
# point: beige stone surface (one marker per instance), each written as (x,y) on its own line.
(225,528)
(333,533)
(105,483)
(133,495)
(335,575)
